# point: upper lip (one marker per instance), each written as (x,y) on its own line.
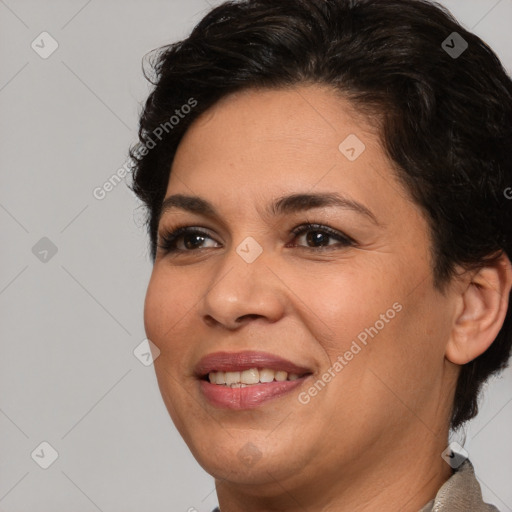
(239,361)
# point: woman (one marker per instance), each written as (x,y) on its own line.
(325,186)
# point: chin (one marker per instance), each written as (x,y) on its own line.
(248,457)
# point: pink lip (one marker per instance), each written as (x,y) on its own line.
(250,396)
(239,361)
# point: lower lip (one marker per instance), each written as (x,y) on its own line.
(248,397)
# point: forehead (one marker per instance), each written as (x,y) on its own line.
(276,132)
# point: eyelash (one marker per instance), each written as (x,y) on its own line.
(169,238)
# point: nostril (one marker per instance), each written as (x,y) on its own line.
(248,316)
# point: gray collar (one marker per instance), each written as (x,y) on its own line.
(460,493)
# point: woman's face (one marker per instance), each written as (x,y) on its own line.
(347,305)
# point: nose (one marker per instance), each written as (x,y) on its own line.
(241,292)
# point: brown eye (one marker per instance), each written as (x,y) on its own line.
(192,240)
(318,236)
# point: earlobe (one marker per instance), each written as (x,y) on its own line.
(484,305)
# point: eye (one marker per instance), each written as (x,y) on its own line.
(192,239)
(319,236)
(188,239)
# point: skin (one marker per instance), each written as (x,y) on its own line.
(372,438)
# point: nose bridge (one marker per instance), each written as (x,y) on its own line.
(242,285)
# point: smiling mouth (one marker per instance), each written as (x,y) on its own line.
(226,390)
(250,377)
(247,379)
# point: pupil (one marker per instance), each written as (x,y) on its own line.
(316,237)
(192,245)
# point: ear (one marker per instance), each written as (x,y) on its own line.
(481,311)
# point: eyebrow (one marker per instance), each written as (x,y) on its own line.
(281,206)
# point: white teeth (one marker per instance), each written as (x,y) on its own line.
(280,376)
(232,378)
(250,377)
(267,375)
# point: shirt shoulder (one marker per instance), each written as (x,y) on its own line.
(460,493)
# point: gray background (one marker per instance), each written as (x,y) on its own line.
(69,325)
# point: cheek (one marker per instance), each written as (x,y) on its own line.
(370,317)
(340,304)
(165,306)
(153,310)
(404,362)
